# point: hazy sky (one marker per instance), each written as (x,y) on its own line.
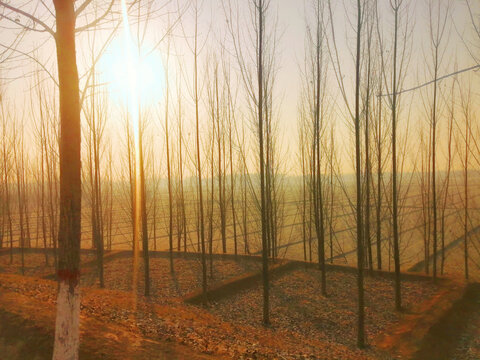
(290,49)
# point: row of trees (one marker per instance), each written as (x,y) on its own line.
(375,112)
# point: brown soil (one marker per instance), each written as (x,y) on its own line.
(304,322)
(120,324)
(34,262)
(167,286)
(456,335)
(27,307)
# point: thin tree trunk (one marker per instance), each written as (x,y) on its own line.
(361,310)
(169,173)
(447,181)
(212,200)
(42,185)
(19,171)
(396,250)
(245,210)
(143,216)
(199,168)
(265,279)
(221,198)
(465,215)
(332,194)
(317,175)
(434,145)
(304,196)
(379,184)
(367,160)
(232,190)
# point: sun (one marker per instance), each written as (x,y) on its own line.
(129,71)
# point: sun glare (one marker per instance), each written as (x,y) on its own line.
(128,71)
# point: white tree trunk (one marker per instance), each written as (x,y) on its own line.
(67,326)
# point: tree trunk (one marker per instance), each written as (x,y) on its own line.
(199,168)
(265,279)
(396,251)
(367,160)
(143,215)
(361,310)
(232,190)
(465,219)
(169,175)
(68,299)
(434,166)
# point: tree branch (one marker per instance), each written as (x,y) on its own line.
(97,20)
(432,81)
(31,58)
(82,7)
(29,16)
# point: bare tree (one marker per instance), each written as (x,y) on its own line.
(68,303)
(169,171)
(369,25)
(258,83)
(318,72)
(446,182)
(396,4)
(195,50)
(355,117)
(425,154)
(40,135)
(180,203)
(95,113)
(392,91)
(469,142)
(231,122)
(361,325)
(18,156)
(304,190)
(437,26)
(6,169)
(261,8)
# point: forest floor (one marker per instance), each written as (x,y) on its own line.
(108,329)
(34,263)
(118,323)
(167,286)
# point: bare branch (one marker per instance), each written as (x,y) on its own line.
(432,81)
(82,7)
(29,16)
(97,20)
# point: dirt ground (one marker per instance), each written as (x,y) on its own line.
(304,324)
(35,263)
(27,318)
(300,312)
(166,286)
(456,334)
(468,348)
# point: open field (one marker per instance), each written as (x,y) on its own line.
(304,324)
(340,243)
